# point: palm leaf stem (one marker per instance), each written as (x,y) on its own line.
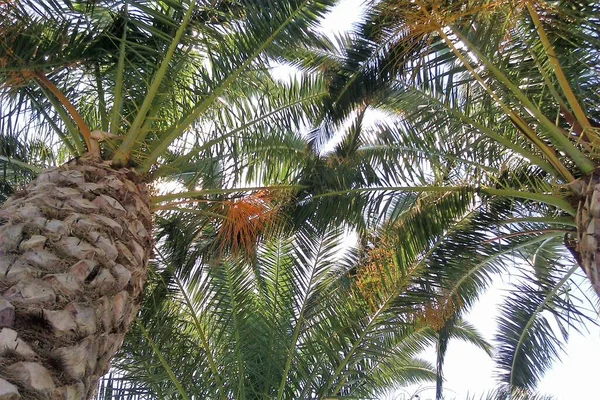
(594,307)
(470,272)
(164,363)
(584,164)
(204,192)
(238,342)
(83,128)
(524,233)
(524,127)
(204,213)
(21,164)
(203,339)
(298,327)
(356,76)
(544,220)
(150,119)
(115,121)
(177,130)
(66,119)
(101,99)
(547,80)
(428,152)
(377,362)
(583,140)
(560,75)
(276,296)
(135,134)
(540,162)
(534,315)
(199,327)
(553,200)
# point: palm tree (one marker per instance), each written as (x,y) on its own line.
(495,107)
(129,93)
(289,324)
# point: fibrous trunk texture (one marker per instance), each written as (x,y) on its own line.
(588,228)
(74,248)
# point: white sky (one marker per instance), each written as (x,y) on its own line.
(469,371)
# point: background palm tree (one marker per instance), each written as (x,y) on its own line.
(130,93)
(291,323)
(495,137)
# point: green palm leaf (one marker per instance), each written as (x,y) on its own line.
(244,327)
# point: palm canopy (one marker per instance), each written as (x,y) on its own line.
(181,90)
(467,86)
(168,82)
(494,135)
(171,89)
(175,87)
(289,324)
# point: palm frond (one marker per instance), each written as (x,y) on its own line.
(534,323)
(286,324)
(159,70)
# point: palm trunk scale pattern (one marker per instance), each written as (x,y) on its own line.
(74,250)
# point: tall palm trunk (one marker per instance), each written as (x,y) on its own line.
(74,247)
(587,250)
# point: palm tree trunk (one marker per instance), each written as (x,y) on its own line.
(74,248)
(443,338)
(587,251)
